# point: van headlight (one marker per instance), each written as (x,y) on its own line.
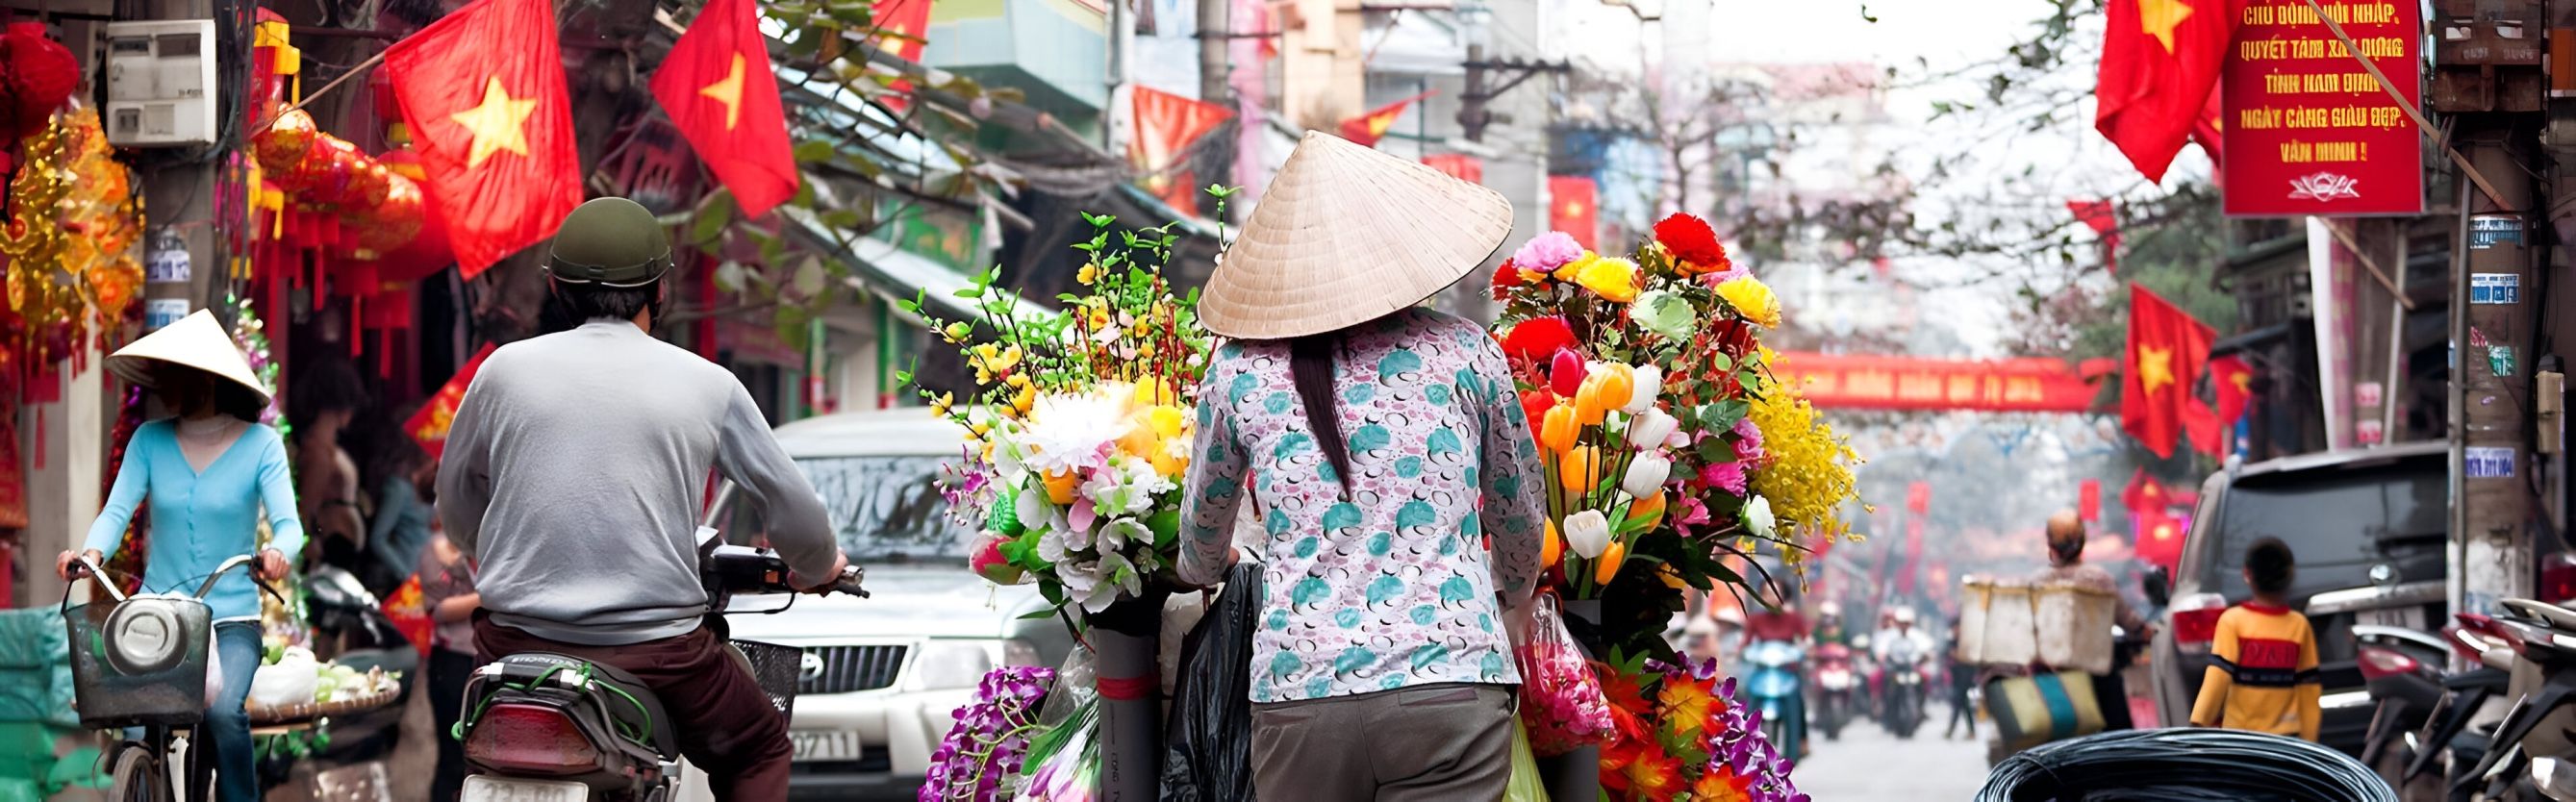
(953,664)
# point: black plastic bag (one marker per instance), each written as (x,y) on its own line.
(1207,744)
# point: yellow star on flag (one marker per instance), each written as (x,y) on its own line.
(1573,209)
(728,92)
(2159,18)
(894,41)
(499,124)
(2155,368)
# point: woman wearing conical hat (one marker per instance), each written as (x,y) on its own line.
(1382,448)
(207,473)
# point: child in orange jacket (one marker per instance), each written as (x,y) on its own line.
(2263,664)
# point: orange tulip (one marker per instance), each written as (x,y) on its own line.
(1592,403)
(1579,470)
(1559,430)
(1607,568)
(1618,384)
(1551,547)
(1649,509)
(1672,577)
(1060,487)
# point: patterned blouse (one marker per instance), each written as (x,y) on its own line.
(1397,587)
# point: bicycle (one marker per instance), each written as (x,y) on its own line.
(140,663)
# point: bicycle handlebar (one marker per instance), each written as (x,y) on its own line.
(84,567)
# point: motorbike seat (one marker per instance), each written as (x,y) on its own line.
(644,714)
(2468,748)
(2480,678)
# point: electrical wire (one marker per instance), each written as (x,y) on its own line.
(2183,765)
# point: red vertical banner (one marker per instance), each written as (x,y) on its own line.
(1918,498)
(1458,165)
(1574,207)
(2088,500)
(2309,132)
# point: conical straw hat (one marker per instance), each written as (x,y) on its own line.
(196,341)
(1346,235)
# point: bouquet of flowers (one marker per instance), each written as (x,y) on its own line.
(1684,738)
(1079,425)
(1665,435)
(981,758)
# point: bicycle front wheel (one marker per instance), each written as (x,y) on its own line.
(138,777)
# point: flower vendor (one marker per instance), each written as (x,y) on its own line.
(1382,445)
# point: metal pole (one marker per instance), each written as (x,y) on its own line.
(1121,25)
(2457,591)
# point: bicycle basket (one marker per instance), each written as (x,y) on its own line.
(776,669)
(154,675)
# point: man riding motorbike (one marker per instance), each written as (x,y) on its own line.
(2066,538)
(1905,653)
(573,475)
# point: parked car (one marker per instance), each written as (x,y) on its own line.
(2369,531)
(883,676)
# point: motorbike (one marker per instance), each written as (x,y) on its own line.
(549,728)
(2527,755)
(1908,670)
(1835,685)
(1777,692)
(2422,714)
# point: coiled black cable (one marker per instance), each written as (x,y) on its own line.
(2183,765)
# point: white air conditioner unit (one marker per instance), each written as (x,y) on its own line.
(160,83)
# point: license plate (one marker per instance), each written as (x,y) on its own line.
(480,788)
(825,744)
(2404,617)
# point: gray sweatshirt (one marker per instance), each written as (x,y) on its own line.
(575,471)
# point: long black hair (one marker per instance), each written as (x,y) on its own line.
(1311,367)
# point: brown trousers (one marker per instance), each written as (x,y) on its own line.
(1433,743)
(727,726)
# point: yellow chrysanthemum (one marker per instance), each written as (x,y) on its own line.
(1752,299)
(1613,279)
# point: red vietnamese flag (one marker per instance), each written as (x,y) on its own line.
(2201,425)
(904,26)
(2210,133)
(720,92)
(2235,380)
(1367,129)
(1166,126)
(1574,208)
(2166,350)
(2088,500)
(2143,494)
(482,92)
(429,425)
(2160,61)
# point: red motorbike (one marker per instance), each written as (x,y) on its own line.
(1836,683)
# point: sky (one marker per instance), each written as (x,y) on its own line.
(1921,39)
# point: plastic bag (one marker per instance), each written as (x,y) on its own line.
(1207,748)
(1527,784)
(1064,759)
(290,681)
(1561,700)
(214,669)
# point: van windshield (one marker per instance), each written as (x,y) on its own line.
(2338,525)
(888,509)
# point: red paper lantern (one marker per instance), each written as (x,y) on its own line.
(392,224)
(37,74)
(282,147)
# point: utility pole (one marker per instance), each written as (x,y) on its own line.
(2488,77)
(1216,69)
(1122,36)
(1487,80)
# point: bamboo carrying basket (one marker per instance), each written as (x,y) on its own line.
(269,716)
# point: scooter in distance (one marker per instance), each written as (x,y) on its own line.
(549,728)
(1778,693)
(1836,683)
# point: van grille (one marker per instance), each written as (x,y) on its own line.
(845,669)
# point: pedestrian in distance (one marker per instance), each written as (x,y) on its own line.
(2263,662)
(1387,446)
(1963,680)
(209,474)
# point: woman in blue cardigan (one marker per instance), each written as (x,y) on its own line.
(208,473)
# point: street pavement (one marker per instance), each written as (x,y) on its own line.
(1869,765)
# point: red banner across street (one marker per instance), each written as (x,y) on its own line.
(1885,382)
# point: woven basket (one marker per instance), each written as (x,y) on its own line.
(313,710)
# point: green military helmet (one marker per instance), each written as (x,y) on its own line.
(611,242)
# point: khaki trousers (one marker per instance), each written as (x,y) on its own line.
(1433,743)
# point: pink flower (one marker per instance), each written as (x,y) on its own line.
(1748,440)
(1726,475)
(1547,252)
(1723,276)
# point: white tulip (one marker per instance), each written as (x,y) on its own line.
(1758,517)
(1651,428)
(1650,383)
(1587,533)
(1646,474)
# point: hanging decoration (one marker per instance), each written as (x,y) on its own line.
(334,194)
(131,549)
(37,75)
(73,250)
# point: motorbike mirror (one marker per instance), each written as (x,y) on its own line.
(2159,584)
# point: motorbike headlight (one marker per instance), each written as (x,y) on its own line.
(952,664)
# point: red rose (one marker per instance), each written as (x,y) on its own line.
(1505,278)
(1694,243)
